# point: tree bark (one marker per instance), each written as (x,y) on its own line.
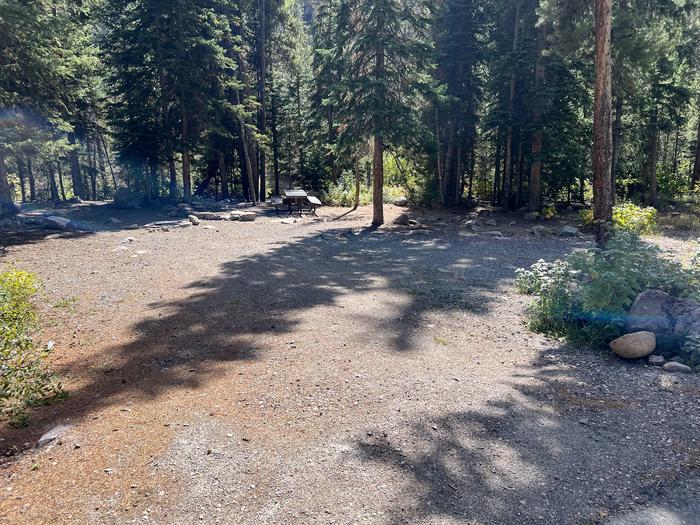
(53,188)
(695,179)
(223,175)
(109,162)
(262,72)
(186,181)
(378,166)
(275,137)
(535,200)
(508,172)
(172,172)
(60,179)
(32,182)
(616,146)
(358,178)
(76,177)
(653,163)
(22,178)
(496,198)
(602,124)
(7,205)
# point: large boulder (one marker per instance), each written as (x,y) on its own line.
(402,220)
(670,318)
(55,222)
(401,201)
(126,199)
(634,346)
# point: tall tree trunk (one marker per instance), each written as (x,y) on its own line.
(109,162)
(616,145)
(535,201)
(53,188)
(223,175)
(91,170)
(186,181)
(275,136)
(438,166)
(676,143)
(378,167)
(7,206)
(653,163)
(22,177)
(75,175)
(358,178)
(172,172)
(696,168)
(520,168)
(60,179)
(262,74)
(496,198)
(508,172)
(602,124)
(32,182)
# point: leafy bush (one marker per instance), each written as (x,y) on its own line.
(343,193)
(628,217)
(584,298)
(24,377)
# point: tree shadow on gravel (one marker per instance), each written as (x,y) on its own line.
(573,442)
(181,344)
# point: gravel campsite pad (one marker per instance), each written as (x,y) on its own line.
(316,371)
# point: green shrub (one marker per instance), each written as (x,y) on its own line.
(343,193)
(24,377)
(628,217)
(585,297)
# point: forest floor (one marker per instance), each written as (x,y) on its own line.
(323,372)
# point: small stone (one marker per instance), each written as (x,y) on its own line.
(538,230)
(128,240)
(490,222)
(194,220)
(656,360)
(569,231)
(634,346)
(132,227)
(494,233)
(672,366)
(52,435)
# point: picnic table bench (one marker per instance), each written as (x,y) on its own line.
(297,200)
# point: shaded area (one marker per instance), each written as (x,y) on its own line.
(574,443)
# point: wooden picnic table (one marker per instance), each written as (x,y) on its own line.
(295,198)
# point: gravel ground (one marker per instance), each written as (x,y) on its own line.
(322,372)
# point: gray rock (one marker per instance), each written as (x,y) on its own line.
(634,346)
(207,216)
(569,231)
(402,220)
(494,233)
(247,216)
(194,220)
(482,212)
(56,223)
(672,366)
(656,360)
(490,222)
(670,318)
(52,435)
(401,201)
(113,220)
(184,207)
(9,209)
(538,230)
(132,227)
(532,216)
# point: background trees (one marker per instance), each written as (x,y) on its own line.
(453,100)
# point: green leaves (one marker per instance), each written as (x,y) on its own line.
(24,377)
(585,297)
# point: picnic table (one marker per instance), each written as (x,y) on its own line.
(295,198)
